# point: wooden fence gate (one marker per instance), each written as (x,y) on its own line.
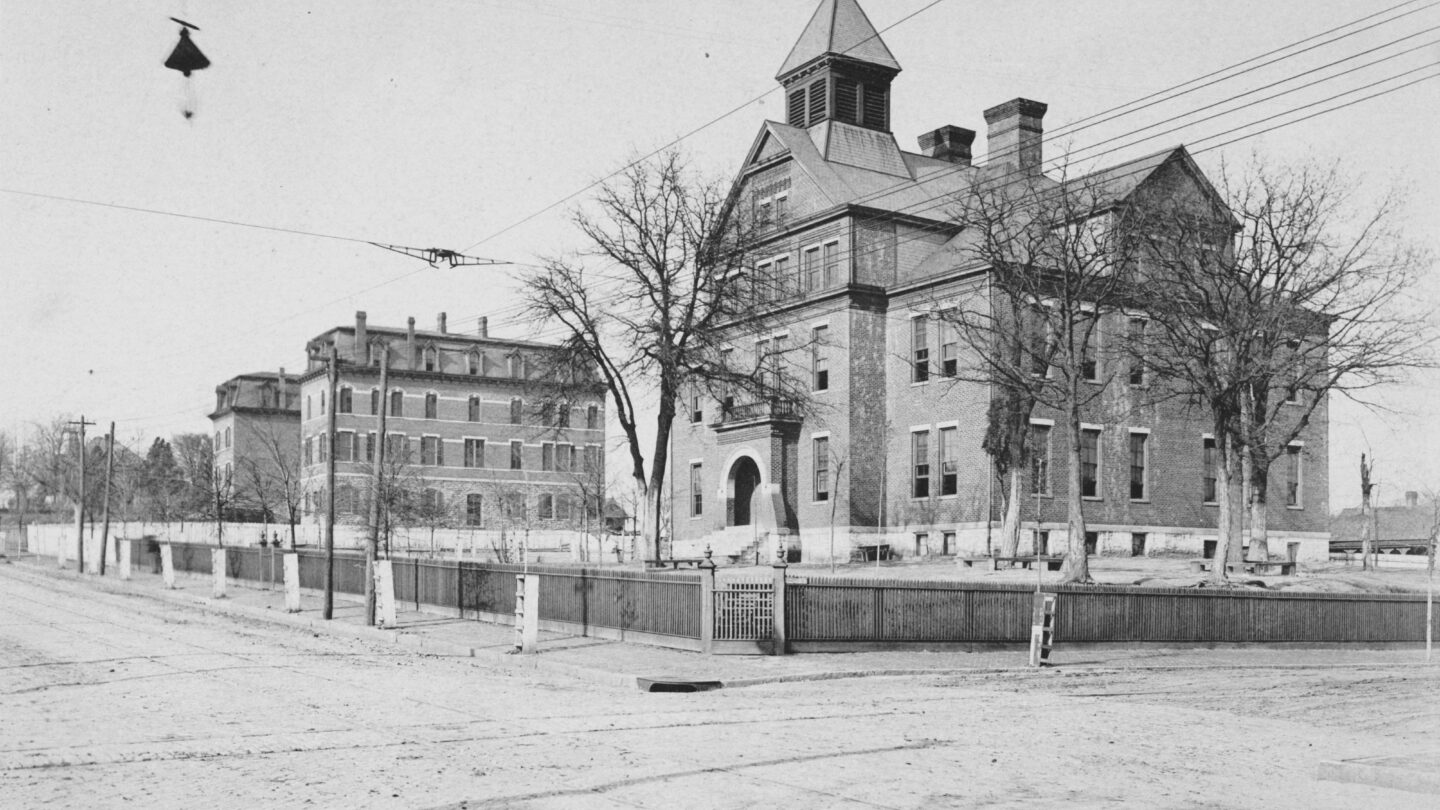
(744,617)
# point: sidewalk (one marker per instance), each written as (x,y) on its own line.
(620,663)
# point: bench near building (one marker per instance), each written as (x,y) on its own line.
(890,453)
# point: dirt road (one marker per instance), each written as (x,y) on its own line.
(112,701)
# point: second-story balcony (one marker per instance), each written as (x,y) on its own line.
(752,413)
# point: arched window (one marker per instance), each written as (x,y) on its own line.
(227,438)
(397,402)
(564,414)
(432,405)
(431,357)
(345,401)
(473,410)
(474,362)
(374,401)
(517,408)
(515,365)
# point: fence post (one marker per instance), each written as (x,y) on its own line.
(531,639)
(777,607)
(124,548)
(167,565)
(60,552)
(217,573)
(707,603)
(292,582)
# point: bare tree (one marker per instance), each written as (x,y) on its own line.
(1298,293)
(272,474)
(675,248)
(1057,267)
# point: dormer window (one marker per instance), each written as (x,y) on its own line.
(430,357)
(474,363)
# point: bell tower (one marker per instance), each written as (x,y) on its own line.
(839,70)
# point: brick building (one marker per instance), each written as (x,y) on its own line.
(890,441)
(256,425)
(483,433)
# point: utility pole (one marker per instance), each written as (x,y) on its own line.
(333,378)
(80,503)
(1368,540)
(109,469)
(377,489)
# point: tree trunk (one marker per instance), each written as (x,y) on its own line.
(1010,521)
(1225,497)
(1259,510)
(1076,568)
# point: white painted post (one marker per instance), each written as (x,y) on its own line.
(292,582)
(167,565)
(123,548)
(60,550)
(520,612)
(385,594)
(92,553)
(217,573)
(530,637)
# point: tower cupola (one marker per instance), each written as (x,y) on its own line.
(839,70)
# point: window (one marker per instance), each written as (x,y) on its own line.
(546,507)
(474,509)
(227,438)
(547,413)
(564,457)
(876,106)
(397,403)
(782,210)
(847,100)
(592,458)
(345,446)
(432,451)
(1294,492)
(821,450)
(592,417)
(781,280)
(920,349)
(697,415)
(1137,351)
(474,453)
(474,362)
(1038,341)
(1039,459)
(949,461)
(1090,357)
(697,491)
(513,365)
(346,402)
(370,446)
(767,363)
(819,360)
(920,464)
(517,408)
(564,415)
(431,357)
(949,344)
(307,407)
(310,451)
(397,447)
(831,272)
(322,403)
(516,456)
(810,268)
(374,401)
(1089,463)
(432,501)
(795,107)
(432,405)
(1207,481)
(817,100)
(472,411)
(547,457)
(1138,451)
(324,447)
(217,440)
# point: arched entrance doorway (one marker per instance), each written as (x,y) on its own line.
(744,481)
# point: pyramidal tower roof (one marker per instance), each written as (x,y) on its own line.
(840,28)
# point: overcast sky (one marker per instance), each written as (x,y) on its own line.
(447,122)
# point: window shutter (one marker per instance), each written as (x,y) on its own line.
(875,105)
(817,101)
(795,110)
(847,100)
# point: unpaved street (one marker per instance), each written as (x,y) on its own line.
(120,701)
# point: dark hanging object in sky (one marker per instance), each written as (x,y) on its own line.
(186,56)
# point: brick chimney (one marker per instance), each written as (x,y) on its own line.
(483,329)
(360,337)
(949,143)
(410,345)
(440,323)
(1015,134)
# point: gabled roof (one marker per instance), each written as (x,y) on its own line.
(1395,522)
(1115,184)
(839,27)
